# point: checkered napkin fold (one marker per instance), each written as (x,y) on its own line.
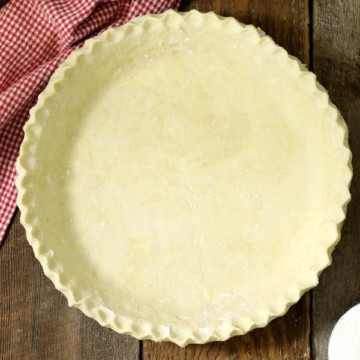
(35,37)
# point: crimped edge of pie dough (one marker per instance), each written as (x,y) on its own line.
(135,327)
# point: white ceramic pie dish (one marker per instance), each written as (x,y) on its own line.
(183,178)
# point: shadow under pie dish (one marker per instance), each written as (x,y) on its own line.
(183,178)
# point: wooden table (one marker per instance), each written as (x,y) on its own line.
(35,320)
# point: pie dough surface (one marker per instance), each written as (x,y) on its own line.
(183,178)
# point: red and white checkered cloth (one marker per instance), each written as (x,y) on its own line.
(35,37)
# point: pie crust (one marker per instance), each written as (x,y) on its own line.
(183,178)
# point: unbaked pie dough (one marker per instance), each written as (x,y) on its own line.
(182,178)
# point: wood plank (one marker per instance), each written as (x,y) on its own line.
(287,337)
(36,322)
(336,61)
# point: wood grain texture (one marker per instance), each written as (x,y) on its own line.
(36,322)
(287,337)
(336,61)
(34,318)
